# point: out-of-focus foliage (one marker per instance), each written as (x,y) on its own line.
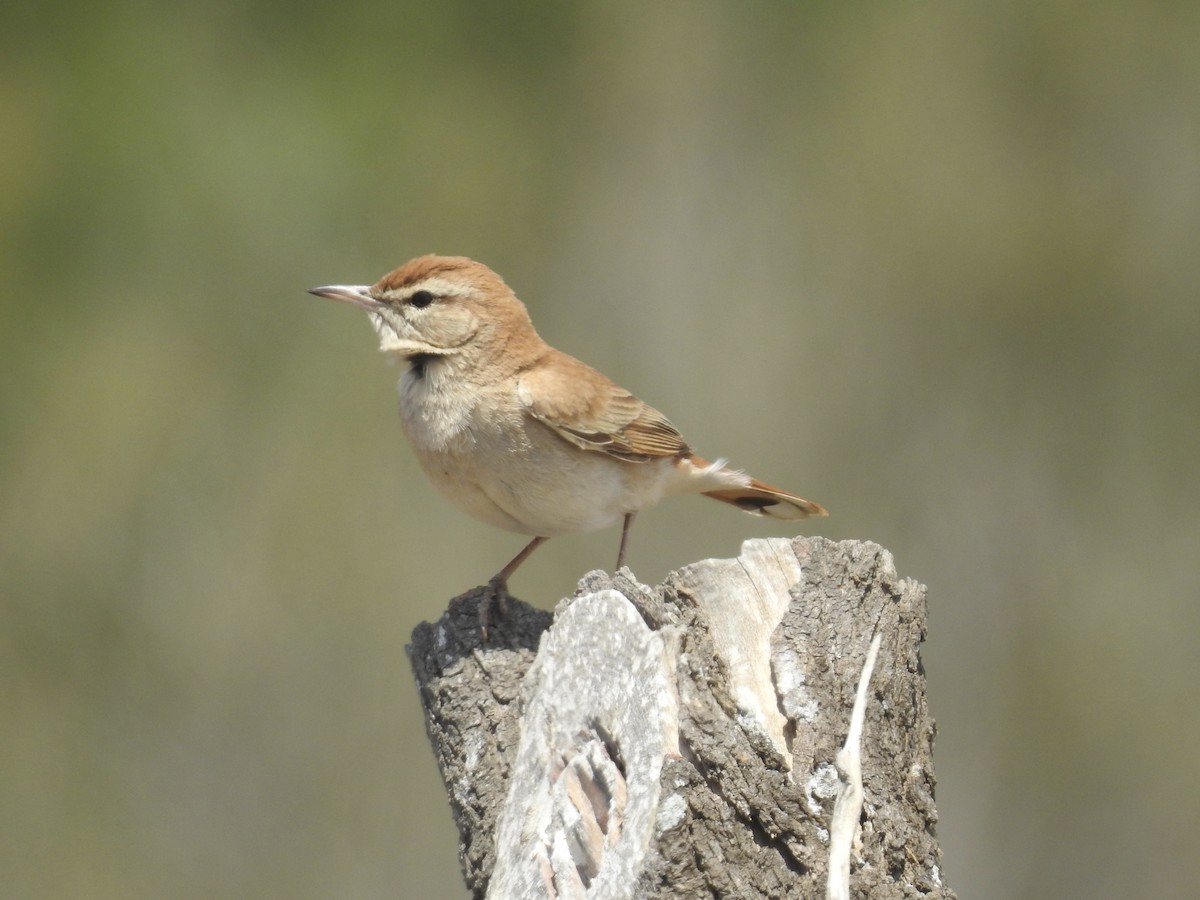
(934,265)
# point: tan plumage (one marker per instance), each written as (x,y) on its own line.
(587,409)
(522,435)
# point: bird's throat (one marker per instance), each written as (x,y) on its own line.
(418,364)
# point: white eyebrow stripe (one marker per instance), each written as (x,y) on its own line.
(439,287)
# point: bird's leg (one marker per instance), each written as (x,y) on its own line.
(624,538)
(497,587)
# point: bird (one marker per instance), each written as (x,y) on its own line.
(523,436)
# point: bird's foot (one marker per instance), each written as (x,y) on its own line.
(495,595)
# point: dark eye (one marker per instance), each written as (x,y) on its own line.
(421,299)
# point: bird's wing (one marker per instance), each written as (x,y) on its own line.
(585,408)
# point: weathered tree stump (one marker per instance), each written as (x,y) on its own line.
(753,727)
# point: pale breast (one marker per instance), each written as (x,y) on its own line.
(494,461)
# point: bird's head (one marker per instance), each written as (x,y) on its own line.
(436,306)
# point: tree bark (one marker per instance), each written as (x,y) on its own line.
(753,727)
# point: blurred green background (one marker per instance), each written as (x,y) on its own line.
(934,265)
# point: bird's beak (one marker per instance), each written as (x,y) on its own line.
(358,294)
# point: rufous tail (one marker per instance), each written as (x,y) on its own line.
(763,500)
(753,496)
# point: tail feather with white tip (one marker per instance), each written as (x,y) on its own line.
(755,497)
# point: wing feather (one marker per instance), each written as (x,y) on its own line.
(587,409)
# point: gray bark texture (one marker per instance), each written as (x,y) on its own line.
(693,739)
